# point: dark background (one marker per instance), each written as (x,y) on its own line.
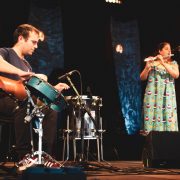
(88,48)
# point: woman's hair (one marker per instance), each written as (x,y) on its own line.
(161,45)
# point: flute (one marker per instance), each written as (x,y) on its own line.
(155,58)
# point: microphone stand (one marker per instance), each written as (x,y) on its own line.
(82,105)
(83,110)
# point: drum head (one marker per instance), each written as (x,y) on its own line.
(46,93)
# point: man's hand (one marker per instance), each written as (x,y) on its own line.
(25,75)
(61,86)
(42,76)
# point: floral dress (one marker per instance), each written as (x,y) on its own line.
(160,111)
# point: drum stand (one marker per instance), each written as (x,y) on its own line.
(37,111)
(67,132)
(83,110)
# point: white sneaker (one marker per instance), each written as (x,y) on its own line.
(27,161)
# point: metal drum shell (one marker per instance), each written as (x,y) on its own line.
(93,104)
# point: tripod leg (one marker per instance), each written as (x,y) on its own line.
(74,148)
(40,143)
(87,149)
(67,141)
(31,134)
(64,147)
(82,112)
(39,130)
(101,139)
(97,139)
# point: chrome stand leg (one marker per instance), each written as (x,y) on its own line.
(64,147)
(40,133)
(97,139)
(74,148)
(66,140)
(101,131)
(87,149)
(31,134)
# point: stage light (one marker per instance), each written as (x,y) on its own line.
(119,48)
(114,1)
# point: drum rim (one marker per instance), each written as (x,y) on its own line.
(82,96)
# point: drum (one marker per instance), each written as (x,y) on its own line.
(87,110)
(46,93)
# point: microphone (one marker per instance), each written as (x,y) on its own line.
(67,74)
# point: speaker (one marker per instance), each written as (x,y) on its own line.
(65,173)
(162,149)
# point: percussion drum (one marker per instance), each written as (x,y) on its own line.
(92,104)
(46,93)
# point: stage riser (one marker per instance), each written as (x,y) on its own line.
(68,173)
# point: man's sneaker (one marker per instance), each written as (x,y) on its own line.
(27,161)
(51,162)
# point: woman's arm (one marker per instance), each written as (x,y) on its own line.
(172,69)
(144,74)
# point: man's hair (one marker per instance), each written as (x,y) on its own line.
(24,29)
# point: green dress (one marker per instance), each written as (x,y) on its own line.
(160,111)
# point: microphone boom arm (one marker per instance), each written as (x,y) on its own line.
(80,99)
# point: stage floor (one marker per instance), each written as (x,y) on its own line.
(111,170)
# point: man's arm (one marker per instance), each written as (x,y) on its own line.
(6,67)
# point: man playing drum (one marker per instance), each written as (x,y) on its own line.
(13,66)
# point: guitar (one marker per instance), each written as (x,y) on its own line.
(43,93)
(13,87)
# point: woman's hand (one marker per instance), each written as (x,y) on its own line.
(145,72)
(160,58)
(149,65)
